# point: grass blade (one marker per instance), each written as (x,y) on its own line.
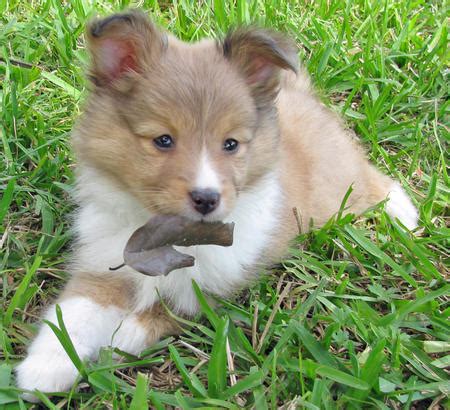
(64,338)
(139,400)
(378,253)
(191,380)
(217,376)
(7,198)
(204,306)
(17,300)
(314,347)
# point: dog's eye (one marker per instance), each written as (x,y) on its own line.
(164,141)
(230,145)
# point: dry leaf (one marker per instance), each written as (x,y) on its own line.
(149,249)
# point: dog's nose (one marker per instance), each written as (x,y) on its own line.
(205,200)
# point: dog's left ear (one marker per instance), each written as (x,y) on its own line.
(259,55)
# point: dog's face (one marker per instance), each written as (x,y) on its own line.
(185,128)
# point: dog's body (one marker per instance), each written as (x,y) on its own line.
(292,153)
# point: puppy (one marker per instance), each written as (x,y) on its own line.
(216,131)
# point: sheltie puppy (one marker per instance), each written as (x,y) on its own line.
(226,130)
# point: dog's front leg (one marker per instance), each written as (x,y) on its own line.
(90,325)
(47,366)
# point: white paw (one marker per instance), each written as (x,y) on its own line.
(131,336)
(55,373)
(399,206)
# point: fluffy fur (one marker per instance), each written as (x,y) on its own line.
(293,152)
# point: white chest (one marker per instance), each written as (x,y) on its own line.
(104,227)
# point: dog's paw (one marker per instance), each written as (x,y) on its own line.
(399,206)
(55,373)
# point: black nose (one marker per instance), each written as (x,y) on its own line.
(205,200)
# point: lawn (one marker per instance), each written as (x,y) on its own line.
(357,316)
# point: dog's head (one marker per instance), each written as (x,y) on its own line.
(184,127)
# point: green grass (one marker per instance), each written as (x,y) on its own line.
(357,317)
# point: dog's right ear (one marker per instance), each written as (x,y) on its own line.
(122,46)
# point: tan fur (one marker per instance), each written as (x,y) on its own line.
(202,94)
(105,290)
(158,323)
(319,162)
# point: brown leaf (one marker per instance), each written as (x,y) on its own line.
(149,249)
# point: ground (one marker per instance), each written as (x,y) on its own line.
(357,317)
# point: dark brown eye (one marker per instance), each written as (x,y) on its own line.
(230,145)
(164,141)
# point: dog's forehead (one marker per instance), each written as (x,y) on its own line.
(200,66)
(194,84)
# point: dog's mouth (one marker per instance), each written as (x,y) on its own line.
(216,216)
(212,218)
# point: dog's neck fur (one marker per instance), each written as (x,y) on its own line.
(108,215)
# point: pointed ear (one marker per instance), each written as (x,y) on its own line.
(122,45)
(259,55)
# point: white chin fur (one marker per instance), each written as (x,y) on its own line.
(399,206)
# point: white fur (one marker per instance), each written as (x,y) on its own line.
(221,269)
(48,367)
(399,206)
(207,177)
(131,336)
(107,219)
